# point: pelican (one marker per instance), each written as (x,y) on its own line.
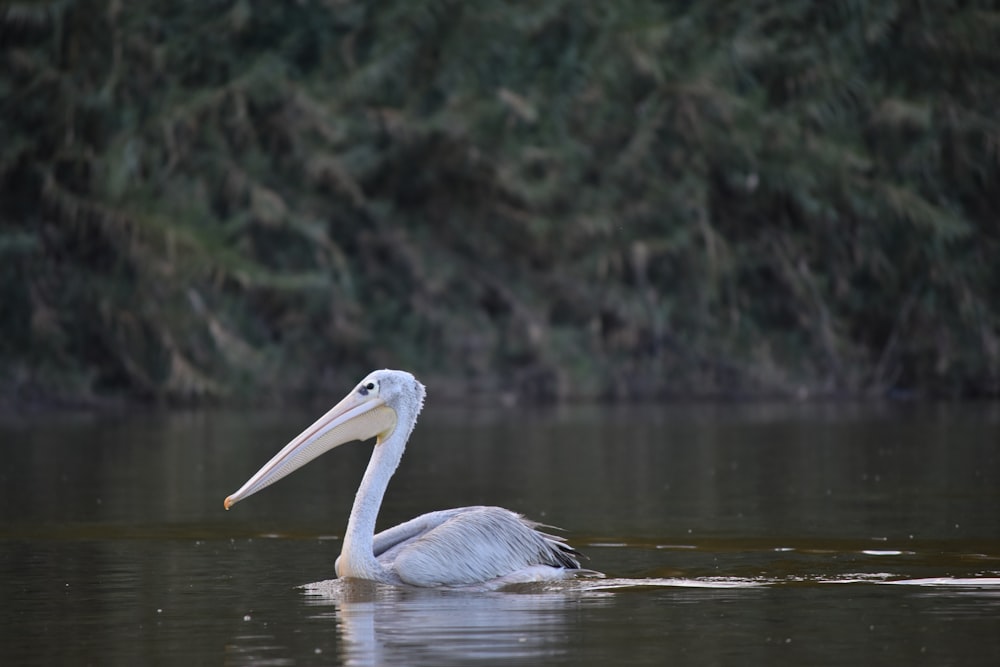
(486,547)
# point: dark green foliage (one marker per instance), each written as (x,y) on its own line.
(202,200)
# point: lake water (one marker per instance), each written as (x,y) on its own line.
(730,534)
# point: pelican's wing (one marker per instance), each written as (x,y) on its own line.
(475,545)
(393,538)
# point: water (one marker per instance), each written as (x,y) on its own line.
(763,534)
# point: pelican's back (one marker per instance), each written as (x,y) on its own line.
(475,545)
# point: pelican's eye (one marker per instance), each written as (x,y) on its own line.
(365,388)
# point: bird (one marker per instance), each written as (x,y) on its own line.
(480,546)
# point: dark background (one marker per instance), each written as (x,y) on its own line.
(247,201)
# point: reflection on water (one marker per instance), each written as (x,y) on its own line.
(730,534)
(382,625)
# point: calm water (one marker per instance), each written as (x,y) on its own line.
(730,535)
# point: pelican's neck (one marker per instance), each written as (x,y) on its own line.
(357,558)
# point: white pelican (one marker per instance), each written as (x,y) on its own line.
(484,547)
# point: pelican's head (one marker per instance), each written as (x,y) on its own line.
(380,401)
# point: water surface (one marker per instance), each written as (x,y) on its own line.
(730,534)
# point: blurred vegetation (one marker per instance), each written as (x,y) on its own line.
(237,200)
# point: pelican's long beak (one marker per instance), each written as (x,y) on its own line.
(357,417)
